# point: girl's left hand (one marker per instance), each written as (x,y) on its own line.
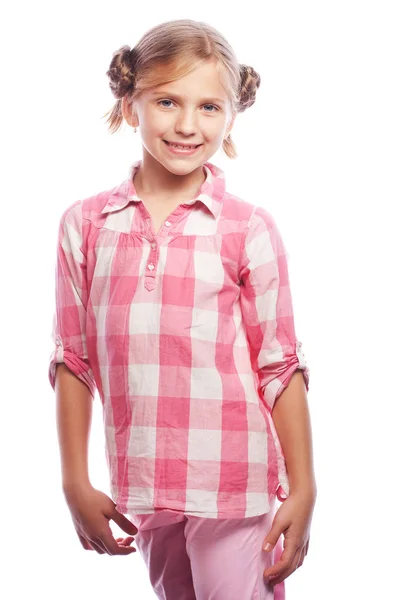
(293,520)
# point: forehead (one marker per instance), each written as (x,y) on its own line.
(204,82)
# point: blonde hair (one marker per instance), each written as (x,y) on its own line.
(170,51)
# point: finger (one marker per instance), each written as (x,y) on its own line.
(126,542)
(305,550)
(285,560)
(111,545)
(84,543)
(96,546)
(124,523)
(276,530)
(119,542)
(308,541)
(284,572)
(301,559)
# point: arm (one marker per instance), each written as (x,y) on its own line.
(70,373)
(69,320)
(91,510)
(292,422)
(72,378)
(276,354)
(74,414)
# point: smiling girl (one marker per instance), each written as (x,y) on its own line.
(173,303)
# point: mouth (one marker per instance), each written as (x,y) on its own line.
(183,146)
(182,150)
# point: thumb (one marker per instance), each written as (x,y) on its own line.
(124,523)
(271,539)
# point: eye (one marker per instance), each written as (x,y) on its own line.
(163,101)
(216,108)
(212,105)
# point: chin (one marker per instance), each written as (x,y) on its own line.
(182,169)
(182,165)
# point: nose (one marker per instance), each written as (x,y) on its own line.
(186,123)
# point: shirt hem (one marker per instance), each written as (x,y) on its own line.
(134,509)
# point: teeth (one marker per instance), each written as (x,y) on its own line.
(183,147)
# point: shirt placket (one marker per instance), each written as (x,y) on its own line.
(151,267)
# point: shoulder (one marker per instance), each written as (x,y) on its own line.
(87,208)
(260,231)
(254,215)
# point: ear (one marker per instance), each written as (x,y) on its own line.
(128,113)
(230,125)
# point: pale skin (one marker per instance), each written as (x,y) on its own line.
(188,113)
(182,111)
(91,510)
(291,418)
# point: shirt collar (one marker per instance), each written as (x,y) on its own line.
(210,194)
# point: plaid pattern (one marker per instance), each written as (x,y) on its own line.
(188,337)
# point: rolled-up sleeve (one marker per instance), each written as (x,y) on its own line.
(267,308)
(69,319)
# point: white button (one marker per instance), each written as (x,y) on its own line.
(58,341)
(167,223)
(153,244)
(151,266)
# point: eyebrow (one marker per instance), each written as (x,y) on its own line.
(177,97)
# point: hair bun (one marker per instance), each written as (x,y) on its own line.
(122,71)
(250,82)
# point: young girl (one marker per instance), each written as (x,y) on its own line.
(173,302)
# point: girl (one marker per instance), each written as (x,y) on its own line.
(173,302)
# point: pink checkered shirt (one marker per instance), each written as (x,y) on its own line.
(188,336)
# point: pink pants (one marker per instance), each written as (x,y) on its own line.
(194,558)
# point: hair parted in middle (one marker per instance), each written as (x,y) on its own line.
(170,51)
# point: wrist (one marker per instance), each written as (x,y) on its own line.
(70,485)
(304,487)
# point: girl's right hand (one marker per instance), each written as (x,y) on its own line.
(91,511)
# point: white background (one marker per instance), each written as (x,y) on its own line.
(320,150)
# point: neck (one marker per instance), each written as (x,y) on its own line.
(154,180)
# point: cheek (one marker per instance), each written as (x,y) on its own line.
(217,126)
(155,122)
(217,131)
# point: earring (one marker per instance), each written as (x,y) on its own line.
(134,130)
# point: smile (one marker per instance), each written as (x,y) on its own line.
(177,149)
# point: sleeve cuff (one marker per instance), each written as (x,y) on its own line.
(293,362)
(79,367)
(282,493)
